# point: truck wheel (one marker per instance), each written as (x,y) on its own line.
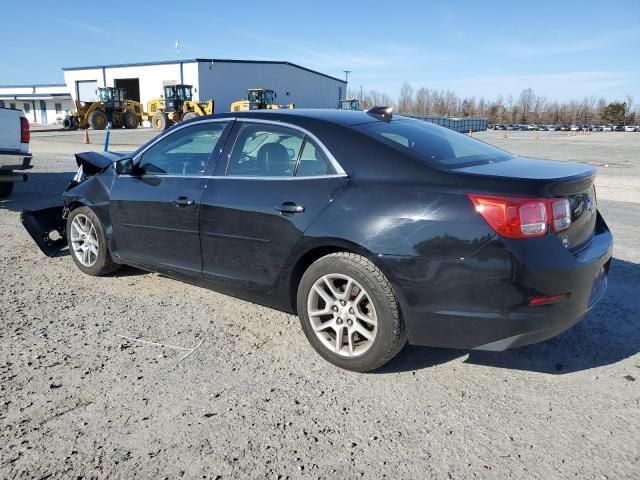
(5,189)
(189,116)
(160,121)
(98,120)
(88,243)
(130,120)
(349,312)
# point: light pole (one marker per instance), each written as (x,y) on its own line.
(346,76)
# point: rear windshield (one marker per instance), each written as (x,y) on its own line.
(435,145)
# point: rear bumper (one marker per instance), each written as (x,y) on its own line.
(10,161)
(482,302)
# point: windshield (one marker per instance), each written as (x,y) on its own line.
(261,96)
(178,92)
(433,144)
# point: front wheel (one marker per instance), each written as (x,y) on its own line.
(349,312)
(88,243)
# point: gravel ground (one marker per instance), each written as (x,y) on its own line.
(253,400)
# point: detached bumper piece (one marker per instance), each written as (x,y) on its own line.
(47,228)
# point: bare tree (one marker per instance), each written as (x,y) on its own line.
(405,102)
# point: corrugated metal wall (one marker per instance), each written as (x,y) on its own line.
(228,82)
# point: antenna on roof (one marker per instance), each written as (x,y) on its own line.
(382,113)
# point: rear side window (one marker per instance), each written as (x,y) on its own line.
(267,150)
(433,144)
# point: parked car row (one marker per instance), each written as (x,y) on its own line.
(568,128)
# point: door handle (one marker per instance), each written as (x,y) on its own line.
(182,202)
(290,207)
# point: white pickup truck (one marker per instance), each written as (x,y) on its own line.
(14,149)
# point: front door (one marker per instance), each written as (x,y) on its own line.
(43,112)
(258,205)
(155,211)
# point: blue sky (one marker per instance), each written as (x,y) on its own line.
(561,49)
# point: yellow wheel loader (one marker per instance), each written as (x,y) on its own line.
(258,99)
(111,106)
(349,104)
(177,105)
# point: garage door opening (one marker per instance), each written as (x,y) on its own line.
(131,87)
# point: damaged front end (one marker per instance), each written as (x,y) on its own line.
(47,226)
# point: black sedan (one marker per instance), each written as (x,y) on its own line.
(375,229)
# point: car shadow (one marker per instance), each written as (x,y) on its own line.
(41,190)
(608,334)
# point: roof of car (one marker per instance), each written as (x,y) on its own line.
(339,117)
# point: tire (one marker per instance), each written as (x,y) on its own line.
(356,353)
(98,120)
(100,261)
(160,121)
(6,188)
(69,123)
(130,120)
(189,116)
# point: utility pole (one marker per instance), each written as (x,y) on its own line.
(361,96)
(346,76)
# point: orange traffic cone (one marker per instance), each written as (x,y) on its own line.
(86,136)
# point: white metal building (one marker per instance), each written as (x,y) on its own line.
(41,103)
(223,80)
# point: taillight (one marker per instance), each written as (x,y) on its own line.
(561,211)
(25,133)
(522,217)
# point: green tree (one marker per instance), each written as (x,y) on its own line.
(614,113)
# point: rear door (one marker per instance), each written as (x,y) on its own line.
(155,214)
(275,181)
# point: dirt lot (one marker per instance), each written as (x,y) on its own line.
(253,400)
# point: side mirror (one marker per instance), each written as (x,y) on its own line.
(124,166)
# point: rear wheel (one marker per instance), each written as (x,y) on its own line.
(88,243)
(189,116)
(349,312)
(6,188)
(130,120)
(98,120)
(160,121)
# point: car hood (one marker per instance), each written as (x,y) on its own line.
(94,162)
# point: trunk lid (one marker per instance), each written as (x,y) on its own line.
(527,177)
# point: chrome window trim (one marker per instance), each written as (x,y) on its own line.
(334,163)
(236,177)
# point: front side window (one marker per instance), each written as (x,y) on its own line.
(263,150)
(183,152)
(433,144)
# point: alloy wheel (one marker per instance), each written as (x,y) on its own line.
(84,240)
(342,315)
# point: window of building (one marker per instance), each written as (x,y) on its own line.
(58,108)
(12,105)
(26,107)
